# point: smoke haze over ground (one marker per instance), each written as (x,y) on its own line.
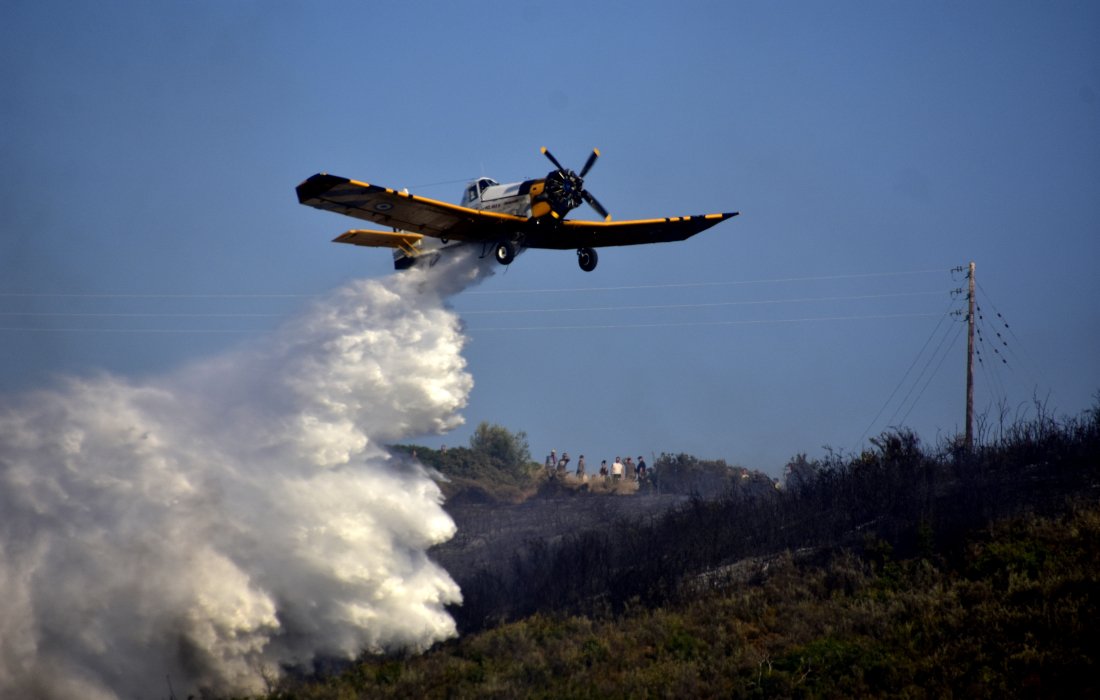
(238,515)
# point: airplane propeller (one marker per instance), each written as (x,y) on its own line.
(565,188)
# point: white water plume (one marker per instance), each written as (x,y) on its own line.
(238,516)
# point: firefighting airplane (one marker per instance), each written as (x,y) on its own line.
(503,218)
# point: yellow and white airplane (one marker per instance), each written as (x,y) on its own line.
(503,218)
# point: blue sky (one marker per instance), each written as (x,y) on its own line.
(151,152)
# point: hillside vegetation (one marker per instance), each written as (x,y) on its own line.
(901,571)
(496,467)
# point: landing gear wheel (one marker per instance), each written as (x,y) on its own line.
(587,259)
(505,252)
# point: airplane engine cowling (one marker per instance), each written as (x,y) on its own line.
(564,190)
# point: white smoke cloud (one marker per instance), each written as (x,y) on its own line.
(239,515)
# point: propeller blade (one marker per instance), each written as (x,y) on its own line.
(590,162)
(546,152)
(596,205)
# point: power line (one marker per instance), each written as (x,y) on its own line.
(683,324)
(920,376)
(155,331)
(673,285)
(989,369)
(475,329)
(85,295)
(471,312)
(472,292)
(1025,361)
(444,182)
(73,314)
(944,316)
(700,305)
(958,332)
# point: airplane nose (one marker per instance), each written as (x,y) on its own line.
(565,188)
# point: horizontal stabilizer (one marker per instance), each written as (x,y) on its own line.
(407,243)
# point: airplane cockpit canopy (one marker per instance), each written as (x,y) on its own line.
(476,187)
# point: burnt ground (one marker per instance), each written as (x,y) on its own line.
(490,533)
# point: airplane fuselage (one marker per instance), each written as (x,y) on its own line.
(524,199)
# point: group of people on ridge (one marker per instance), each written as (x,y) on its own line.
(618,470)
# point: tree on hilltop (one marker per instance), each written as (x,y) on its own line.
(507,449)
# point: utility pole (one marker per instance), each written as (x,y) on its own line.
(970,362)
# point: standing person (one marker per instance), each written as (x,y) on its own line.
(617,469)
(551,462)
(603,470)
(580,467)
(629,468)
(563,462)
(641,468)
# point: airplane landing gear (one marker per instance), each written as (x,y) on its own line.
(587,259)
(505,252)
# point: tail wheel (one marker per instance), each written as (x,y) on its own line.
(587,259)
(505,252)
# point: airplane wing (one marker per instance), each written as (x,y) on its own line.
(600,234)
(404,241)
(429,217)
(404,211)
